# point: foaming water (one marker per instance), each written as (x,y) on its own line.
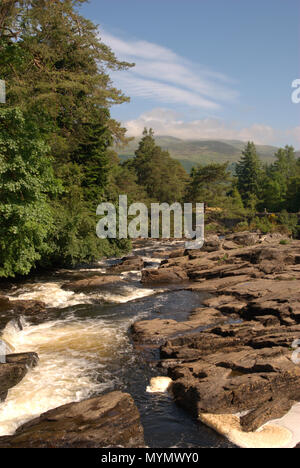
(269,436)
(291,423)
(124,294)
(72,356)
(51,294)
(54,296)
(87,350)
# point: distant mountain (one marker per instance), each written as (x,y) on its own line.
(193,152)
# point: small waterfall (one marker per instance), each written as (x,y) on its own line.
(72,355)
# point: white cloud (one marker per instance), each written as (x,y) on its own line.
(167,122)
(162,75)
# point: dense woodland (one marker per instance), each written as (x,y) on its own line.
(57,161)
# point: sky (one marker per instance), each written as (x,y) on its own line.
(211,69)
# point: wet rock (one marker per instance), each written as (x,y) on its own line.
(132,263)
(35,311)
(164,275)
(4,304)
(269,410)
(14,370)
(89,284)
(111,420)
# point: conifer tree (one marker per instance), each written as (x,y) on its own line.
(248,171)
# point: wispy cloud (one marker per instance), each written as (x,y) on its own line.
(164,76)
(167,122)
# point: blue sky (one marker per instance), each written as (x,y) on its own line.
(206,68)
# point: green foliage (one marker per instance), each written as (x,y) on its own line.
(26,183)
(248,171)
(280,184)
(162,177)
(209,184)
(57,70)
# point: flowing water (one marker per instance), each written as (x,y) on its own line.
(85,349)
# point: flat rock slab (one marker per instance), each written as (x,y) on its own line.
(111,420)
(233,369)
(159,330)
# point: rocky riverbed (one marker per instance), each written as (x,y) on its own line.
(226,337)
(233,356)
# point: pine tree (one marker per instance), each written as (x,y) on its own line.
(56,70)
(162,177)
(248,171)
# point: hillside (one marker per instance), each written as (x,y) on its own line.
(193,152)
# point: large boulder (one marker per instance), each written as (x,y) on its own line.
(164,275)
(212,244)
(131,263)
(14,370)
(244,238)
(111,420)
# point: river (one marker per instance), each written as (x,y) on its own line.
(86,349)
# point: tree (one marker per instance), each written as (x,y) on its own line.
(248,171)
(162,177)
(209,184)
(276,180)
(57,70)
(26,183)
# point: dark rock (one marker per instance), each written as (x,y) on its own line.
(35,311)
(110,420)
(269,410)
(14,370)
(177,253)
(244,238)
(132,263)
(212,245)
(4,304)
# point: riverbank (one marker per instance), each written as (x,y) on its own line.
(85,347)
(219,322)
(232,362)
